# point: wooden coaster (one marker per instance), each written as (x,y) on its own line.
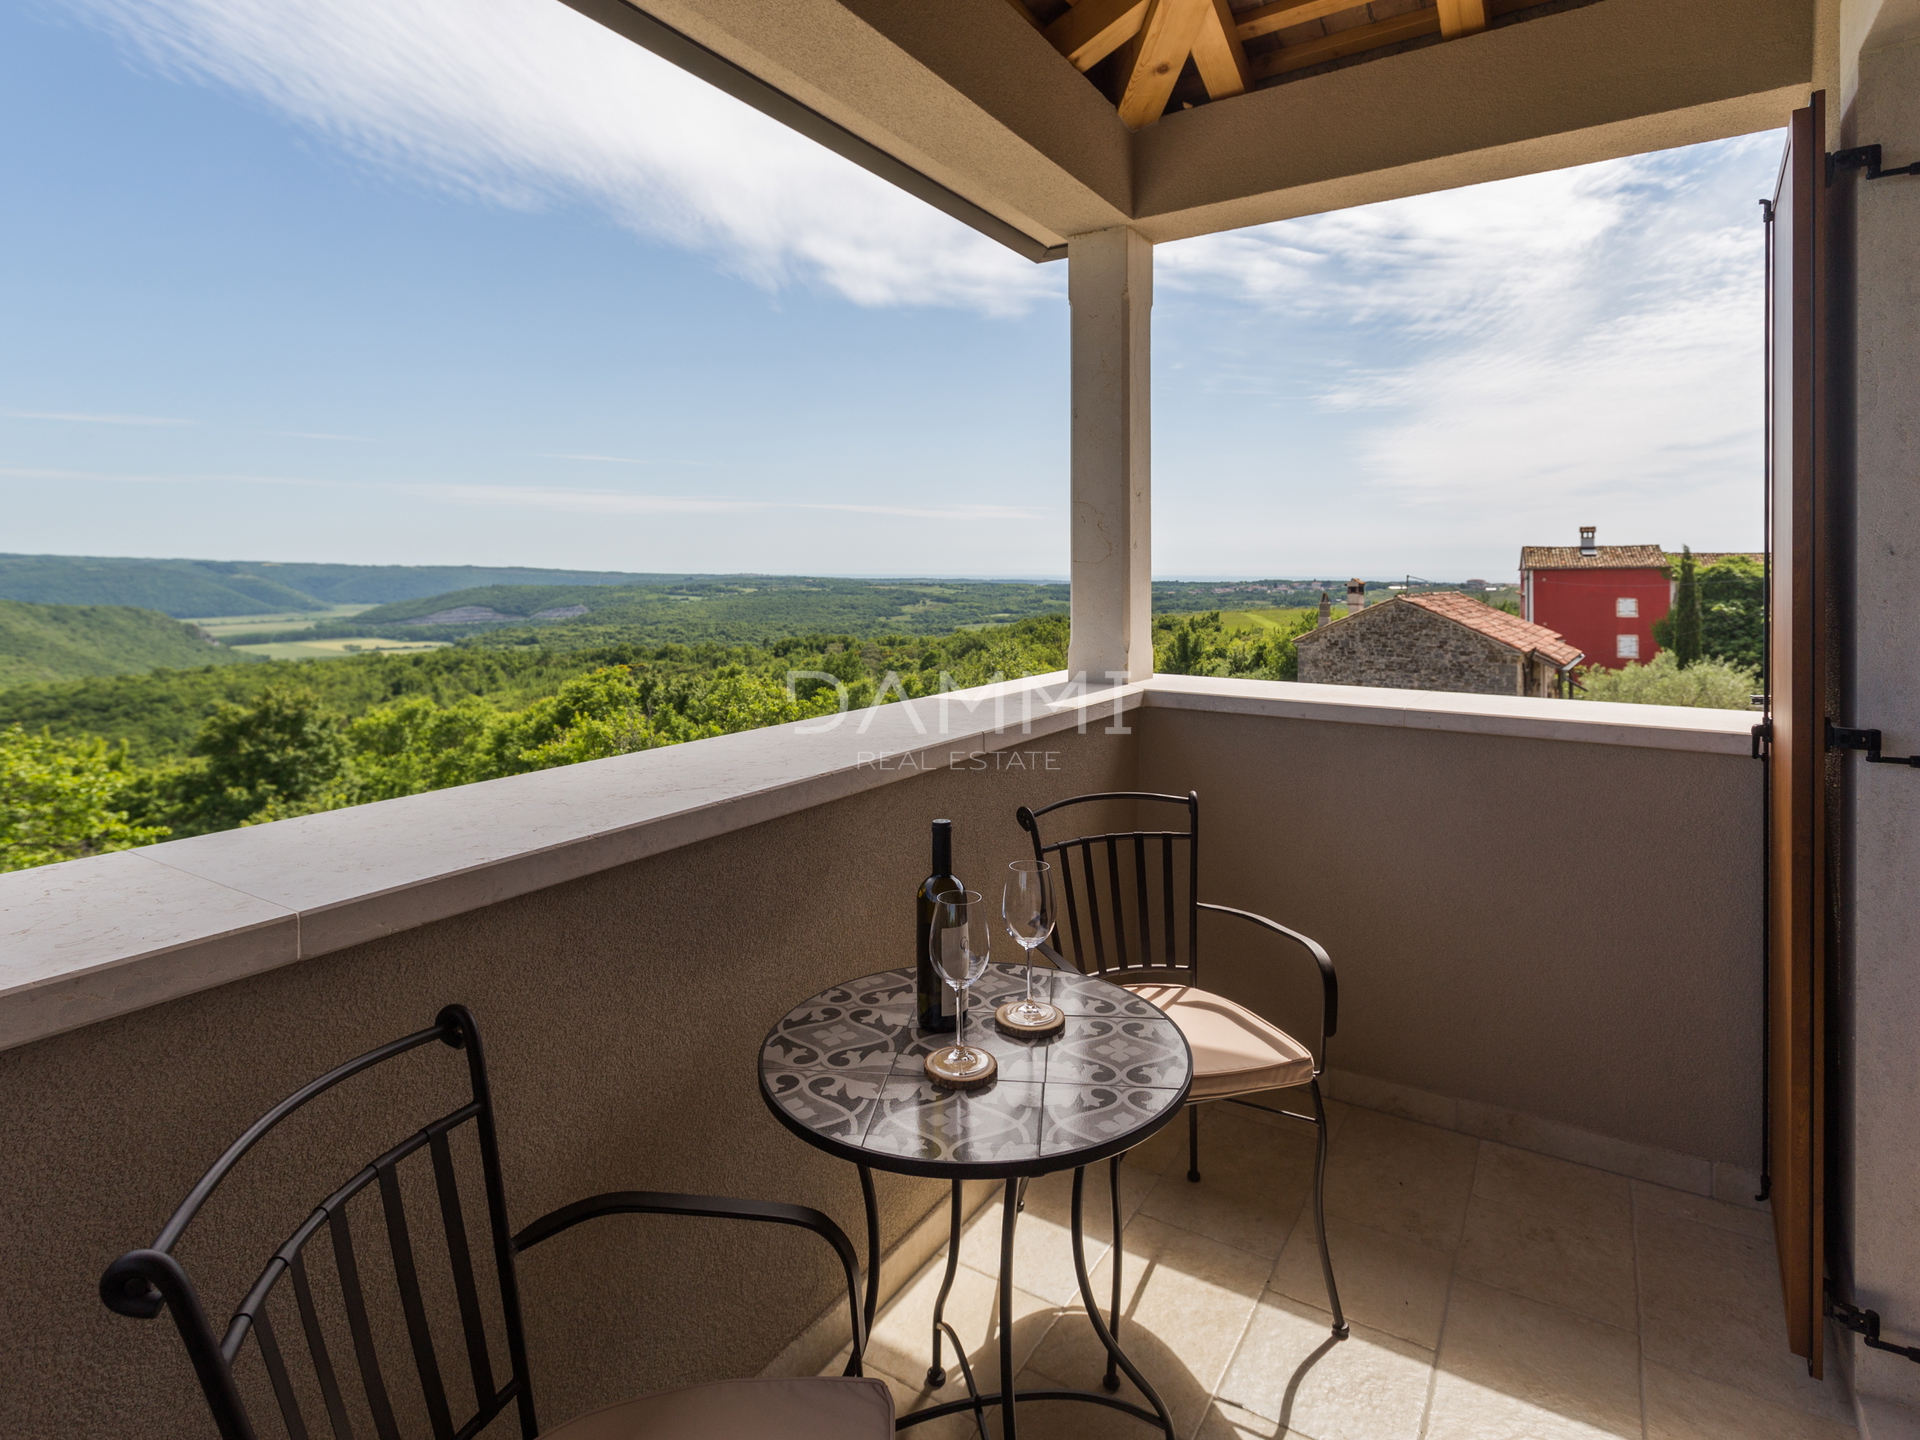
(979,1069)
(1010,1020)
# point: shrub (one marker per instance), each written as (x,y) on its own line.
(1713,684)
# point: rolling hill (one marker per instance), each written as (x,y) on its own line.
(739,610)
(183,588)
(72,642)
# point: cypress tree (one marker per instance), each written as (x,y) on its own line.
(1686,612)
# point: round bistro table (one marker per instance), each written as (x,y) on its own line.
(844,1071)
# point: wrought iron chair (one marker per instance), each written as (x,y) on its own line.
(1128,908)
(143,1282)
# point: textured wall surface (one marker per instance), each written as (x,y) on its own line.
(1566,930)
(622,1014)
(1409,648)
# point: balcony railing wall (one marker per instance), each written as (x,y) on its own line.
(1554,927)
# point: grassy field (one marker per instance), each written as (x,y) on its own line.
(226,627)
(332,649)
(1257,620)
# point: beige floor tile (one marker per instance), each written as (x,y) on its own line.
(903,1332)
(1513,1369)
(1405,1178)
(1688,1407)
(1553,1231)
(1390,1284)
(1679,1205)
(1227,1421)
(1184,1303)
(1710,1304)
(1289,1369)
(1253,1178)
(1167,1149)
(1043,1235)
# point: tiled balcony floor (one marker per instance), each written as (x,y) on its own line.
(1494,1294)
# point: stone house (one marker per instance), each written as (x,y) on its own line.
(1440,641)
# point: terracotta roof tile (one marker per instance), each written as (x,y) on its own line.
(1607,557)
(1522,635)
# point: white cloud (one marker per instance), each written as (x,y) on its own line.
(1498,357)
(526,103)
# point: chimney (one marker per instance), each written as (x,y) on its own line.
(1356,595)
(1326,611)
(1587,548)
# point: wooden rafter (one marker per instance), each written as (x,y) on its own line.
(1166,40)
(1282,14)
(1345,42)
(1094,29)
(1462,17)
(1218,54)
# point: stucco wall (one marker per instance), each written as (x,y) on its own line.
(1566,930)
(622,1013)
(1408,648)
(1875,1204)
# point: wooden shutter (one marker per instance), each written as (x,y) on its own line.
(1800,658)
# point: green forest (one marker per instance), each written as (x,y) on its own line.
(155,733)
(100,764)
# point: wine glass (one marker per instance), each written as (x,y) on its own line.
(1026,908)
(959,944)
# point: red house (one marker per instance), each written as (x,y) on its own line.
(1603,598)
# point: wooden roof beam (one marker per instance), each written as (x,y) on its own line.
(1219,55)
(1166,40)
(1094,29)
(1282,14)
(1461,17)
(1345,42)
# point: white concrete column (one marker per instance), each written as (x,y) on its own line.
(1110,289)
(1879,1203)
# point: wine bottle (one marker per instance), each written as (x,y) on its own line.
(936,999)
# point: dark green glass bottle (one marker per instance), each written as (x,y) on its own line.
(934,997)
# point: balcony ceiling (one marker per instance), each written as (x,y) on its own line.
(1052,118)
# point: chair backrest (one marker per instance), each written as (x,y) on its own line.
(352,1312)
(1125,899)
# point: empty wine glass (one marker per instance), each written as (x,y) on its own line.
(959,944)
(1026,908)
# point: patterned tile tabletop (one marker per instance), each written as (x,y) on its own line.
(848,1066)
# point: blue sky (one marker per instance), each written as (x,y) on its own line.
(359,282)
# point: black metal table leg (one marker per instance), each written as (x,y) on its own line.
(873,1244)
(1114,1353)
(1009,1213)
(936,1372)
(1111,1380)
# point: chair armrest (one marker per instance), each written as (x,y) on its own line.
(1329,984)
(712,1207)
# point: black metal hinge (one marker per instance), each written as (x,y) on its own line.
(1867,158)
(1866,1323)
(1762,738)
(1841,737)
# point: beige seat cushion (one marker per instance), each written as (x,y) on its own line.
(1235,1052)
(831,1408)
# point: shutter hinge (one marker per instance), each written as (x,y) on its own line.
(1866,1324)
(1867,158)
(1841,737)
